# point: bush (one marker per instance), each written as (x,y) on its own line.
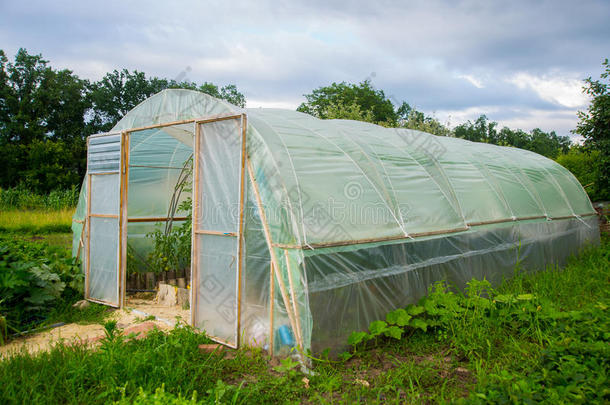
(35,278)
(585,167)
(22,198)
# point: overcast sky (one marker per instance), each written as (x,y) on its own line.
(520,62)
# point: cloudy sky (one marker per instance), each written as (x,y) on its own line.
(520,62)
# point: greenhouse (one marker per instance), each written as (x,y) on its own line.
(305,230)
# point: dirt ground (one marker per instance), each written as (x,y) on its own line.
(136,318)
(147,305)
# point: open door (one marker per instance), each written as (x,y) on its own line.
(218,215)
(103,221)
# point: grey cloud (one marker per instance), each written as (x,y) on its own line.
(281,51)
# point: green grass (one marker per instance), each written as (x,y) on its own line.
(36,221)
(488,346)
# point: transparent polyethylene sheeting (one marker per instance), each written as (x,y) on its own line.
(371,182)
(362,219)
(350,288)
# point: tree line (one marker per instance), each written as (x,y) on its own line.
(589,162)
(46,115)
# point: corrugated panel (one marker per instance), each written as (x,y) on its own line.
(104,154)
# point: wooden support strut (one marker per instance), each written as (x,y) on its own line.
(124,220)
(295,304)
(195,220)
(240,231)
(271,305)
(88,249)
(278,276)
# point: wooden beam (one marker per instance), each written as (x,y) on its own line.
(294,299)
(88,253)
(240,231)
(104,216)
(217,233)
(124,220)
(163,125)
(271,305)
(219,118)
(195,222)
(155,219)
(274,259)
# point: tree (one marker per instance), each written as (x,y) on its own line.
(411,118)
(39,106)
(584,165)
(46,115)
(120,91)
(362,102)
(548,144)
(324,101)
(482,130)
(594,126)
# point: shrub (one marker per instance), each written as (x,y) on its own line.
(34,279)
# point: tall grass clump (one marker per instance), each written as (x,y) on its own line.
(27,212)
(20,198)
(36,222)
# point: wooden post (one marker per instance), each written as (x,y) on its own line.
(195,221)
(271,305)
(274,259)
(240,231)
(88,221)
(293,296)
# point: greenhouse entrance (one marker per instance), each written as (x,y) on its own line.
(154,191)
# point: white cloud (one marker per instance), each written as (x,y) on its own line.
(472,80)
(563,90)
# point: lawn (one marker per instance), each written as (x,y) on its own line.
(536,338)
(40,221)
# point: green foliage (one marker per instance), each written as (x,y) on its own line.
(42,124)
(413,119)
(172,245)
(351,111)
(46,115)
(362,102)
(543,337)
(131,371)
(288,367)
(159,397)
(584,165)
(482,130)
(539,337)
(594,126)
(171,251)
(120,91)
(22,198)
(34,279)
(323,102)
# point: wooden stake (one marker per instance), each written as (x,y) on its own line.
(240,230)
(271,305)
(294,300)
(124,219)
(267,232)
(88,222)
(195,220)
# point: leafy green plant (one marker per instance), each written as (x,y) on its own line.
(287,367)
(23,198)
(34,278)
(159,397)
(172,245)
